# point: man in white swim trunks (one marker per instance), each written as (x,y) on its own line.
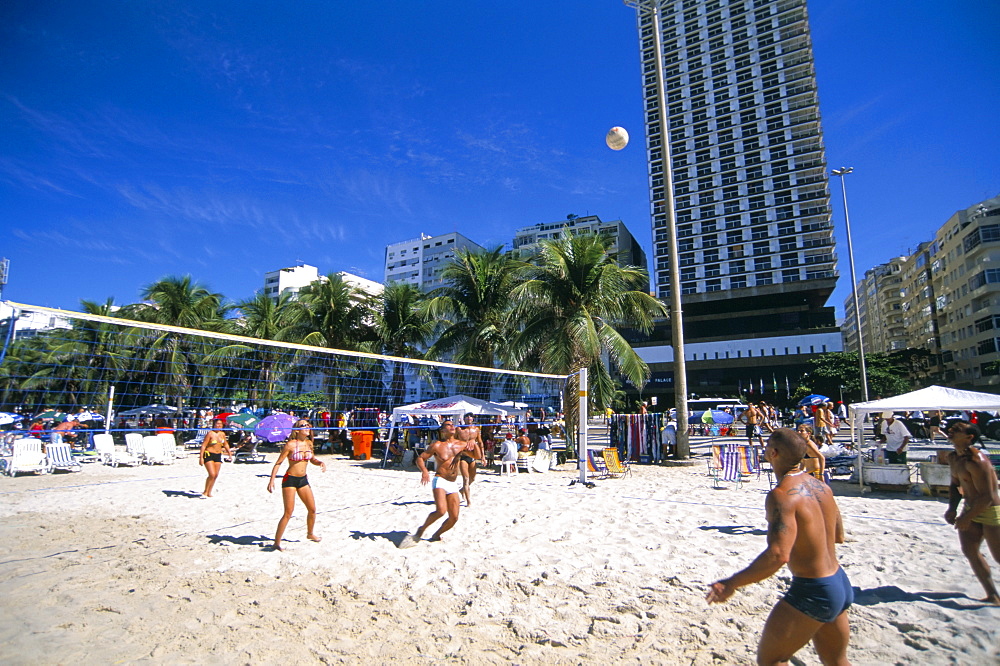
(447,490)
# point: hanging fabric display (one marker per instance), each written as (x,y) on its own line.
(638,437)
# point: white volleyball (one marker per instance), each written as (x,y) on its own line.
(617,138)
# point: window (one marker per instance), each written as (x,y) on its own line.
(713,285)
(713,270)
(762,263)
(764,279)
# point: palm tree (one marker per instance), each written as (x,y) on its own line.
(475,304)
(338,315)
(402,328)
(571,301)
(173,359)
(81,363)
(259,366)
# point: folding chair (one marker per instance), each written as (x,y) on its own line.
(616,467)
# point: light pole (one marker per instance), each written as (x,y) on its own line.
(652,9)
(843,171)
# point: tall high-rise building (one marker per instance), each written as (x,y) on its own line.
(754,232)
(881,306)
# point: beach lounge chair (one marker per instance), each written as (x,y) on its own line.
(170,447)
(596,466)
(60,456)
(617,468)
(195,442)
(153,452)
(250,455)
(27,456)
(736,464)
(105,445)
(133,445)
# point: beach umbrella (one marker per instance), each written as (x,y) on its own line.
(155,410)
(6,418)
(714,416)
(89,416)
(814,399)
(222,416)
(275,428)
(244,421)
(51,415)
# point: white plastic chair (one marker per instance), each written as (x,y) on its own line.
(152,451)
(105,445)
(60,456)
(27,456)
(133,444)
(170,447)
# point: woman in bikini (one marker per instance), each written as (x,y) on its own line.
(299,452)
(812,451)
(215,444)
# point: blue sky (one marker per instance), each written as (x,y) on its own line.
(224,139)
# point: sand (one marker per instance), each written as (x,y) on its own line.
(129,565)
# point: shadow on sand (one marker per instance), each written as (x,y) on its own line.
(190,494)
(394,537)
(890,593)
(248,540)
(735,529)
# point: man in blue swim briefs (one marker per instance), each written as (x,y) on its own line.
(973,473)
(803,528)
(447,452)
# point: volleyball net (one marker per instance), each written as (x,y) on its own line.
(59,361)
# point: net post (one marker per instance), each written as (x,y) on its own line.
(581,448)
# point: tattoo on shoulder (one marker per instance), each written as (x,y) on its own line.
(810,487)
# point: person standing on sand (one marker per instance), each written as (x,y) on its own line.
(446,451)
(467,459)
(972,471)
(213,446)
(753,418)
(299,451)
(803,528)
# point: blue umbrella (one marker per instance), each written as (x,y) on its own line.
(719,417)
(275,428)
(6,418)
(814,399)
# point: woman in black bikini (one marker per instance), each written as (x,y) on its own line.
(299,452)
(210,457)
(812,451)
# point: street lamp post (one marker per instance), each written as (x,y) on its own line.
(652,9)
(843,171)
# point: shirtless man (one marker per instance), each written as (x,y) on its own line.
(824,424)
(804,525)
(467,459)
(972,471)
(446,451)
(753,417)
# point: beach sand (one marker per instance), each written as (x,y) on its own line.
(129,565)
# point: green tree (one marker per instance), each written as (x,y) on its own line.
(834,370)
(475,305)
(258,366)
(402,328)
(571,302)
(338,315)
(172,360)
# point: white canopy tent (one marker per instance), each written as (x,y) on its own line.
(926,399)
(454,407)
